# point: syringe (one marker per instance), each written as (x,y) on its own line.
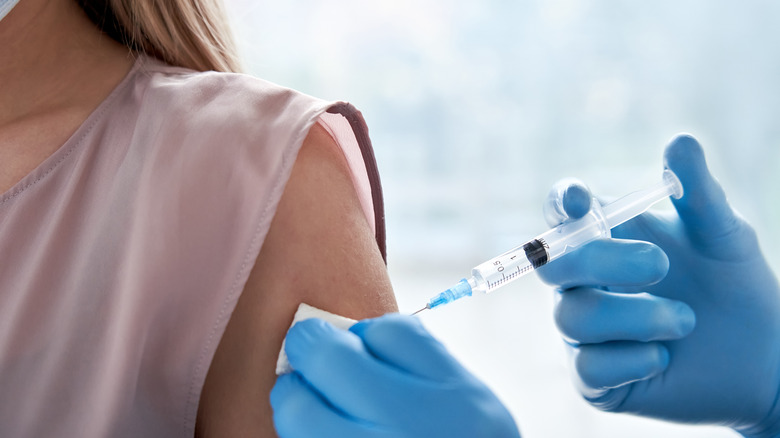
(565,238)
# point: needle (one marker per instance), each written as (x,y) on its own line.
(424,308)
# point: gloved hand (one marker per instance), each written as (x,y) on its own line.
(386,377)
(685,328)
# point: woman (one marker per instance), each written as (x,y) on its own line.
(157,231)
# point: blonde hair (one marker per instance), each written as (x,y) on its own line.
(187,33)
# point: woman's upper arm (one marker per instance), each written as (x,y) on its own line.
(320,250)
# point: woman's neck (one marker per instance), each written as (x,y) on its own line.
(56,67)
(54,58)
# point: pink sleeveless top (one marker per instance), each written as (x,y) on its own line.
(123,254)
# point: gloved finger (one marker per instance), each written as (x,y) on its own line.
(589,316)
(608,262)
(403,342)
(568,198)
(613,364)
(336,363)
(300,412)
(703,207)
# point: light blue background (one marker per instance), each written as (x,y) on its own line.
(477,107)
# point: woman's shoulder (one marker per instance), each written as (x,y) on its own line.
(221,97)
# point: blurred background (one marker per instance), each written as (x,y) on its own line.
(477,108)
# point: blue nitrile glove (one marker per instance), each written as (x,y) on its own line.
(697,344)
(386,377)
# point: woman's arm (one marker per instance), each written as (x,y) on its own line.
(320,249)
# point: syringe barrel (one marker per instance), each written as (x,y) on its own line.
(537,252)
(572,235)
(636,203)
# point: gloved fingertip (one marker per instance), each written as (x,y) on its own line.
(683,149)
(304,335)
(610,365)
(661,362)
(359,328)
(654,260)
(303,332)
(390,321)
(567,199)
(703,206)
(652,362)
(685,157)
(282,388)
(686,319)
(292,399)
(576,200)
(402,341)
(613,262)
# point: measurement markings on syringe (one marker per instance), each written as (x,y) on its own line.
(535,252)
(504,277)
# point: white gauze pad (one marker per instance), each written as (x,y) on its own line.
(306,311)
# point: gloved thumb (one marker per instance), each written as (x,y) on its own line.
(703,208)
(403,342)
